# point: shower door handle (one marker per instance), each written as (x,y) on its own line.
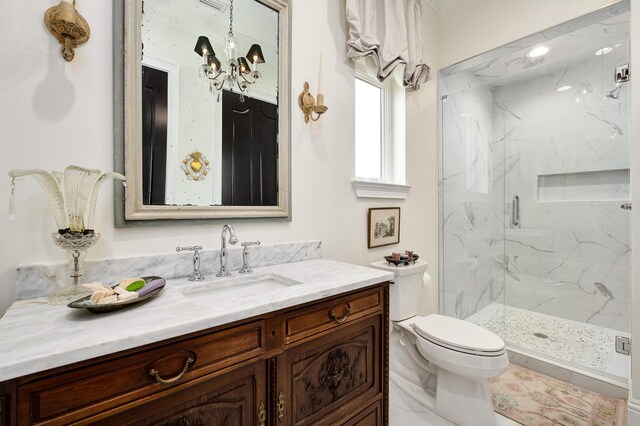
(515,212)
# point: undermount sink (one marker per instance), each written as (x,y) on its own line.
(232,288)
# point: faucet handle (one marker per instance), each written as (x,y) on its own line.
(245,256)
(250,243)
(195,249)
(195,275)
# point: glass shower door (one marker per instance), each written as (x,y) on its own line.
(535,193)
(567,239)
(472,231)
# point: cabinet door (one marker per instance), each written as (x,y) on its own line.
(332,376)
(231,399)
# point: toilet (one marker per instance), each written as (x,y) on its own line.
(441,362)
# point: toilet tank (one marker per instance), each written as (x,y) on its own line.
(405,292)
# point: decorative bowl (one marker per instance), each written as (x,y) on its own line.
(84,302)
(402,261)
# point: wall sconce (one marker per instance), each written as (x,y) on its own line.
(67,26)
(308,104)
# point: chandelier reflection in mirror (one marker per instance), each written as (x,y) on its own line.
(238,73)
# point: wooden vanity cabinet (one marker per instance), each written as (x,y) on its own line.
(7,403)
(322,363)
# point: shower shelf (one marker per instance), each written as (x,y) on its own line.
(594,185)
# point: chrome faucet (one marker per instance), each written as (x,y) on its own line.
(223,250)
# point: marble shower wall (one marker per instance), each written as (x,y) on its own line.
(567,159)
(506,130)
(469,222)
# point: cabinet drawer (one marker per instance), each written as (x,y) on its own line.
(76,394)
(234,398)
(306,322)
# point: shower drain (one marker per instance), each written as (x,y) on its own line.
(541,335)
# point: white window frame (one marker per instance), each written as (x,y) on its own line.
(392,182)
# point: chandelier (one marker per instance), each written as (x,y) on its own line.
(238,73)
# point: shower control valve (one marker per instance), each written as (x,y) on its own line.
(622,73)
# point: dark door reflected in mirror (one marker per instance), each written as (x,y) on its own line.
(249,152)
(154,135)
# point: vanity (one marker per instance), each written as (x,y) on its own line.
(311,350)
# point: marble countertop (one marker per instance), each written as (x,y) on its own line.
(35,336)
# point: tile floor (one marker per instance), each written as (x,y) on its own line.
(587,346)
(571,342)
(404,411)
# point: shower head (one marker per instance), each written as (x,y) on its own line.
(613,94)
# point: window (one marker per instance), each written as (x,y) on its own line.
(379,137)
(369,129)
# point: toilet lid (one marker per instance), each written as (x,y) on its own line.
(458,334)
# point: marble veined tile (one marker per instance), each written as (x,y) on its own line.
(34,281)
(578,216)
(610,218)
(403,411)
(530,297)
(529,242)
(593,246)
(505,120)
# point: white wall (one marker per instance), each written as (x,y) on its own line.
(471,27)
(54,114)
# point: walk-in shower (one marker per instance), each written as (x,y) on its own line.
(534,178)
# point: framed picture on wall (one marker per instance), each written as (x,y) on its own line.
(383,226)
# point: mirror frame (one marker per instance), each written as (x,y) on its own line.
(127,101)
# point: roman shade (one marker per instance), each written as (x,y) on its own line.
(391,33)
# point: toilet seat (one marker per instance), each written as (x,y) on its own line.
(458,335)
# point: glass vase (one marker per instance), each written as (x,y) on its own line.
(76,245)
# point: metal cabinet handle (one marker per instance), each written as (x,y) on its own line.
(281,405)
(154,373)
(262,414)
(347,311)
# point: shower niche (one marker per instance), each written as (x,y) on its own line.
(543,121)
(594,185)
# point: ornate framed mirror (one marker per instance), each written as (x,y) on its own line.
(202,133)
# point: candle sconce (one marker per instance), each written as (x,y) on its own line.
(67,26)
(308,104)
